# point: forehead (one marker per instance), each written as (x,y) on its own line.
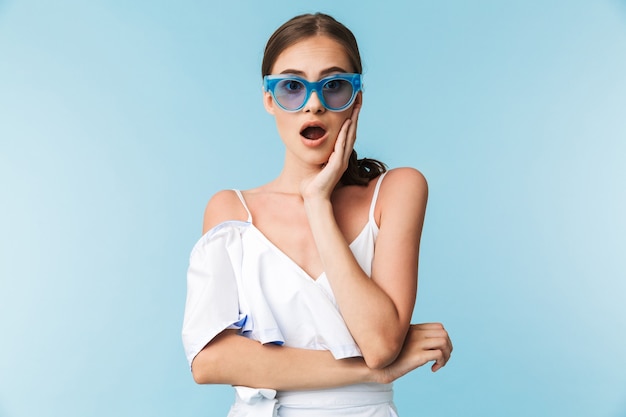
(313,55)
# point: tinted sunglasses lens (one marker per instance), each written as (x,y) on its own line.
(337,93)
(290,93)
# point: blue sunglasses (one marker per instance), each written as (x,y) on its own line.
(336,92)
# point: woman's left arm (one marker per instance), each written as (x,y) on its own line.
(377,310)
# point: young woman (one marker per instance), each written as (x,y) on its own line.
(300,292)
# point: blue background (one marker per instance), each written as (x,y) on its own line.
(118,120)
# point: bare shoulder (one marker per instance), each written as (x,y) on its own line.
(223,206)
(404,183)
(402,208)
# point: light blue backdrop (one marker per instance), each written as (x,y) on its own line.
(118,120)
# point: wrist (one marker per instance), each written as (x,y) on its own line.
(362,373)
(316,203)
(379,376)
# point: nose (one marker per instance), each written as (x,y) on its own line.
(313,104)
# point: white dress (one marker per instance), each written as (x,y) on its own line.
(238,279)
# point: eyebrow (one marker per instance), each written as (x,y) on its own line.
(323,73)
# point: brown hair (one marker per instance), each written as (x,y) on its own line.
(359,171)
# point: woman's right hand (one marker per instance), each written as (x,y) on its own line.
(324,182)
(424,343)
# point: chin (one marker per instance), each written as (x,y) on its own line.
(318,159)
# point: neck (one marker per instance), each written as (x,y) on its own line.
(292,175)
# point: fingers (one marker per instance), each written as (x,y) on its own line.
(338,161)
(344,132)
(350,125)
(355,112)
(432,326)
(433,340)
(440,362)
(346,138)
(354,118)
(433,330)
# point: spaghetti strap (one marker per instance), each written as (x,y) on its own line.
(243,202)
(375,196)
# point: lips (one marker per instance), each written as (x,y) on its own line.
(313,131)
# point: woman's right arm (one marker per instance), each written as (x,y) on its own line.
(236,360)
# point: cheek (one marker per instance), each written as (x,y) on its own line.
(286,126)
(340,120)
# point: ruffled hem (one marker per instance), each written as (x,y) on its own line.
(238,281)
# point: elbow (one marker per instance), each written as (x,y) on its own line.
(199,377)
(202,370)
(205,376)
(382,356)
(207,367)
(377,362)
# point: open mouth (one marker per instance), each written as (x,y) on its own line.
(313,132)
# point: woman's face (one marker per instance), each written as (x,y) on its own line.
(309,134)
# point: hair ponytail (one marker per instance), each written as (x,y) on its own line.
(361,171)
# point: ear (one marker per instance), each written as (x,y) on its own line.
(359,98)
(268,103)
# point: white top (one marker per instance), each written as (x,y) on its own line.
(238,279)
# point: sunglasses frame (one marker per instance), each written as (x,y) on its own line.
(270,82)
